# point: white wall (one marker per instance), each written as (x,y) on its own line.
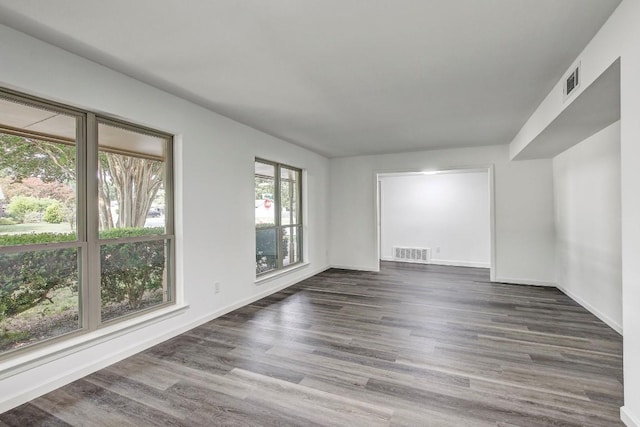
(618,38)
(215,198)
(587,204)
(524,225)
(447,212)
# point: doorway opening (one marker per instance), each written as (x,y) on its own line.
(440,217)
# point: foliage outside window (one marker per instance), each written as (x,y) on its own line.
(278,216)
(85,221)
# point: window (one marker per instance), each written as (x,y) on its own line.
(86,229)
(278,216)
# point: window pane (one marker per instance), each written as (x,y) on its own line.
(37,172)
(291,245)
(39,296)
(133,277)
(266,250)
(131,179)
(265,189)
(289,191)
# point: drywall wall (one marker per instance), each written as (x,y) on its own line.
(447,212)
(523,206)
(586,182)
(214,206)
(618,38)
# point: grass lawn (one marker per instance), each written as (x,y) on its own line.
(38,227)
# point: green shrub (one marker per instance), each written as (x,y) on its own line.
(7,221)
(27,278)
(20,206)
(23,208)
(55,213)
(128,269)
(115,233)
(35,238)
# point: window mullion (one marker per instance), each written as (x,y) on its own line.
(91,220)
(81,220)
(278,216)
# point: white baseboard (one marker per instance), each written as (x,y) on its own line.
(600,315)
(8,402)
(513,281)
(456,263)
(355,267)
(453,263)
(628,419)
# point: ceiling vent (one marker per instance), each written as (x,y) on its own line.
(571,81)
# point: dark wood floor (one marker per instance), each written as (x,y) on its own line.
(411,345)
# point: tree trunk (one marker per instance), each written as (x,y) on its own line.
(104,200)
(136,182)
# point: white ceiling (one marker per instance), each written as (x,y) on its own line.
(340,77)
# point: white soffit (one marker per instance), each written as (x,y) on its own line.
(124,141)
(31,119)
(597,107)
(55,126)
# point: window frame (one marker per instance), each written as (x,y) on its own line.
(87,240)
(278,226)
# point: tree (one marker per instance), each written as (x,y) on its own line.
(132,181)
(35,187)
(135,182)
(26,157)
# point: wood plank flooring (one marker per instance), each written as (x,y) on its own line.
(412,345)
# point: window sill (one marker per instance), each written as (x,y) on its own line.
(78,343)
(276,274)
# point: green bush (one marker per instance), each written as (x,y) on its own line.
(7,221)
(128,269)
(27,278)
(115,233)
(26,208)
(35,238)
(55,213)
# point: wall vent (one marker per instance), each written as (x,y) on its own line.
(421,255)
(572,81)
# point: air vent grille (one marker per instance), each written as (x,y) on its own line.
(572,81)
(421,255)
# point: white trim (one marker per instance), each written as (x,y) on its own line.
(278,273)
(490,168)
(600,315)
(493,268)
(628,419)
(95,365)
(356,268)
(64,348)
(448,262)
(456,263)
(512,281)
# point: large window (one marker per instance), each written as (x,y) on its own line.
(86,230)
(278,216)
